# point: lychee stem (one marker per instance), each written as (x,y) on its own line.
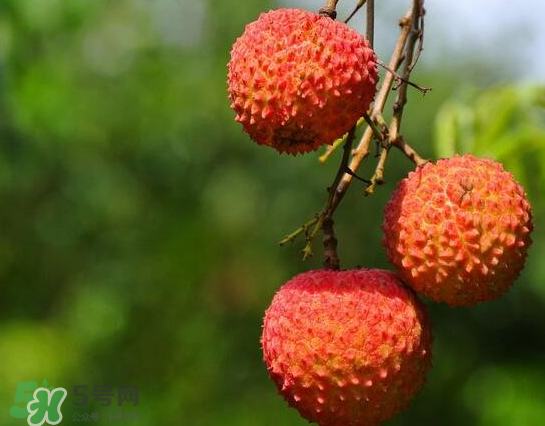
(409,151)
(329,9)
(362,149)
(331,258)
(370,22)
(380,134)
(399,79)
(358,7)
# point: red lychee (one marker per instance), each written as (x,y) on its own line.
(347,348)
(458,231)
(298,80)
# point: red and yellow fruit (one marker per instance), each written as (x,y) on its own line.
(347,348)
(298,80)
(458,231)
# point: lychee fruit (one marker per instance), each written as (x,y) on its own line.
(458,231)
(298,80)
(347,348)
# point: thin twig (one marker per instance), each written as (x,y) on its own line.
(328,211)
(401,98)
(330,149)
(399,79)
(379,135)
(350,172)
(399,103)
(378,176)
(303,228)
(409,151)
(307,250)
(362,150)
(370,22)
(420,46)
(358,7)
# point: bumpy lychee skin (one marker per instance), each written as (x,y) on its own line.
(459,230)
(347,348)
(298,80)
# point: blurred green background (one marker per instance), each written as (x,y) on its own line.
(138,223)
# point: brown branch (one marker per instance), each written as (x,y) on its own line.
(406,51)
(379,134)
(358,7)
(329,9)
(420,46)
(370,22)
(409,151)
(350,172)
(362,150)
(401,99)
(394,138)
(331,258)
(399,79)
(378,176)
(403,52)
(327,212)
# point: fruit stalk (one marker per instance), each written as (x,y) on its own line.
(331,257)
(329,9)
(408,43)
(370,23)
(406,51)
(358,7)
(401,100)
(362,149)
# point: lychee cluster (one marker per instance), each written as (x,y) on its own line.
(351,348)
(347,348)
(298,80)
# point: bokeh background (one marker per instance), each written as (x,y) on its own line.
(139,224)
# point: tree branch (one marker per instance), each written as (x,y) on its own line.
(331,258)
(303,228)
(327,212)
(329,9)
(362,150)
(406,52)
(399,79)
(358,7)
(401,99)
(409,151)
(370,22)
